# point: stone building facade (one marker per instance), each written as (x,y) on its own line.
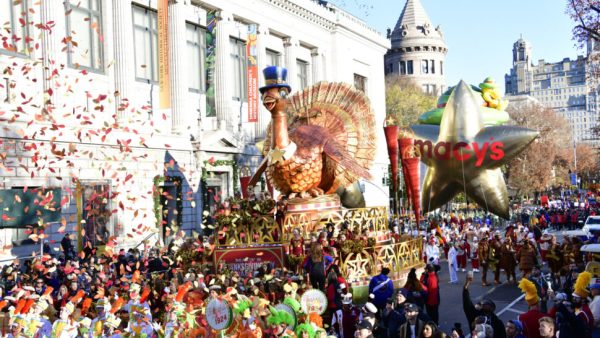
(418,49)
(83,116)
(562,86)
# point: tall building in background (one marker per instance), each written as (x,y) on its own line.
(418,49)
(87,130)
(562,86)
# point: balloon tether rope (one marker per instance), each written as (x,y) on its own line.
(484,198)
(462,163)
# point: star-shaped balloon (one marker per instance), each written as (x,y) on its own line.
(463,155)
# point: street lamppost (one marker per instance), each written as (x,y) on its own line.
(575,158)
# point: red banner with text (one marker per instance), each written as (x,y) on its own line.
(252,78)
(249,259)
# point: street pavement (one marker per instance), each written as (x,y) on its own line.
(508,298)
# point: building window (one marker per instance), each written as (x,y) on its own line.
(360,82)
(425,88)
(84,27)
(424,67)
(27,213)
(442,67)
(302,71)
(96,211)
(196,37)
(238,64)
(20,236)
(145,35)
(402,67)
(409,67)
(272,58)
(432,62)
(14,19)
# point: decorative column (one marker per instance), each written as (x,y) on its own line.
(223,70)
(108,48)
(289,45)
(316,65)
(124,58)
(179,81)
(263,114)
(51,59)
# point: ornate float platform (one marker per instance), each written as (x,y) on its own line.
(374,245)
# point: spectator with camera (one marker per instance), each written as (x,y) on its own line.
(483,309)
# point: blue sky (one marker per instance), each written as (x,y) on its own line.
(480,34)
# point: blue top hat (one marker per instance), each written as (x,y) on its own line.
(275,77)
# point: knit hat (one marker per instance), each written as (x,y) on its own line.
(560,297)
(583,280)
(531,296)
(365,324)
(518,325)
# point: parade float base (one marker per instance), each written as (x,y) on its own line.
(312,213)
(261,239)
(247,259)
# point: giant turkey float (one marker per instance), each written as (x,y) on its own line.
(320,142)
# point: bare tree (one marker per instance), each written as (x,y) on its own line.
(543,163)
(586,14)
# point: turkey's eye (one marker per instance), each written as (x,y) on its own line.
(283,93)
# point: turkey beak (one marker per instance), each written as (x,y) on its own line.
(269,102)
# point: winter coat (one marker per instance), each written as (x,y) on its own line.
(430,280)
(527,258)
(471,312)
(383,288)
(404,330)
(391,321)
(507,259)
(531,325)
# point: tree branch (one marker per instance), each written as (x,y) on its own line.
(595,8)
(574,5)
(592,32)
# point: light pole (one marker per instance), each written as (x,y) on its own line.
(574,158)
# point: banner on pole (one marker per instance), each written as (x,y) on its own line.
(209,62)
(252,78)
(164,80)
